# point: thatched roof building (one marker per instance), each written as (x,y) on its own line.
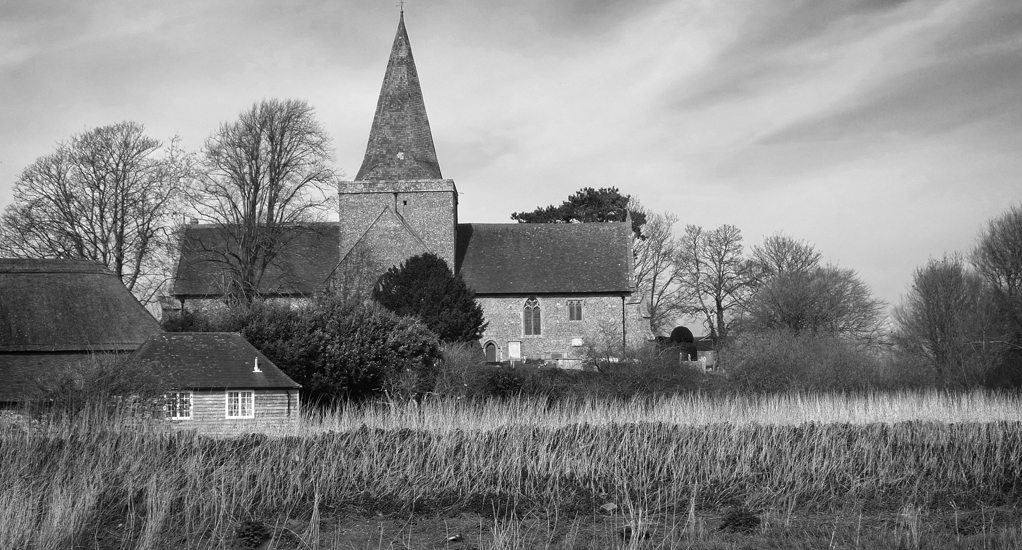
(55,312)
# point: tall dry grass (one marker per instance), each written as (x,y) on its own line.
(145,486)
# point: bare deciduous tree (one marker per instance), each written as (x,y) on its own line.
(106,195)
(795,293)
(656,270)
(948,319)
(824,300)
(716,278)
(259,177)
(780,253)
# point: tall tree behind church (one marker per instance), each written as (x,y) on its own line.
(108,195)
(260,176)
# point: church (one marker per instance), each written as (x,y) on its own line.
(550,292)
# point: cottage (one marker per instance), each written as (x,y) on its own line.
(54,313)
(222,383)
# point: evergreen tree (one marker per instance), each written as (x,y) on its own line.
(588,205)
(424,286)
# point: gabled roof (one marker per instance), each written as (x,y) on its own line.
(400,142)
(302,267)
(212,360)
(537,258)
(68,305)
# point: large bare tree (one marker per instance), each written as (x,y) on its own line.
(109,195)
(259,177)
(780,253)
(795,293)
(949,319)
(716,278)
(656,269)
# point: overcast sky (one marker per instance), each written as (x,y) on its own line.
(883,132)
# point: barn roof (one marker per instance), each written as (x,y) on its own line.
(68,305)
(302,267)
(537,258)
(212,360)
(400,142)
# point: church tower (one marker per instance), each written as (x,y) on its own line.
(399,204)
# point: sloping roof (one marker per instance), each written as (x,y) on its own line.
(400,141)
(302,267)
(212,360)
(68,305)
(536,258)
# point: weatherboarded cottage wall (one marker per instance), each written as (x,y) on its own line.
(275,409)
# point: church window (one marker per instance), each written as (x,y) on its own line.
(530,317)
(574,310)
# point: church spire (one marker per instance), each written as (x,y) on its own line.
(400,142)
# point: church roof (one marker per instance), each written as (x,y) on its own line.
(537,258)
(68,306)
(400,142)
(300,269)
(212,360)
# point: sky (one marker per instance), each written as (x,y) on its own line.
(883,132)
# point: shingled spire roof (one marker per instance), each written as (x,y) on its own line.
(400,142)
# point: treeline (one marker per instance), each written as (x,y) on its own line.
(784,319)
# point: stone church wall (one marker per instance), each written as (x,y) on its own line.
(428,207)
(561,339)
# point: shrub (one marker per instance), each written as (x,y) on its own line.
(781,360)
(337,349)
(107,384)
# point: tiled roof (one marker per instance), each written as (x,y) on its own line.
(400,141)
(536,258)
(301,268)
(212,360)
(68,305)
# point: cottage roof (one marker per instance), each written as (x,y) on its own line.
(301,268)
(400,141)
(68,305)
(536,258)
(212,360)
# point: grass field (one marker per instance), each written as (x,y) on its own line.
(916,470)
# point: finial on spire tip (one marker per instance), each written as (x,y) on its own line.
(401,4)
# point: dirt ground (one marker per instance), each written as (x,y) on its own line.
(984,528)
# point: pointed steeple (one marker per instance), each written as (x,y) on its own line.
(400,142)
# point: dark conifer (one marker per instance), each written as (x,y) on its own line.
(424,286)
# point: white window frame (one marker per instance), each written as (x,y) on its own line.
(173,413)
(242,397)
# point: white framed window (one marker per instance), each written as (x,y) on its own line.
(178,405)
(241,404)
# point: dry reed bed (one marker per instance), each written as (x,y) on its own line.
(62,482)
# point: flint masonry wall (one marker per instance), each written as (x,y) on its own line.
(599,329)
(428,207)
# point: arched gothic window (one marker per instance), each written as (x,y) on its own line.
(530,317)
